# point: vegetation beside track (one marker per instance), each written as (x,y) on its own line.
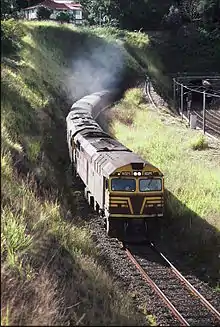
(192,178)
(50,270)
(46,248)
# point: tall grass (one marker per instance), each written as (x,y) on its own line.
(192,180)
(189,177)
(50,274)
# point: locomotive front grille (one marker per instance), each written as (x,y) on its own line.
(120,205)
(136,205)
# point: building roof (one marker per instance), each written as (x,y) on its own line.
(57,5)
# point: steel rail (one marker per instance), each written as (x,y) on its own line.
(189,285)
(216,116)
(209,124)
(211,117)
(147,92)
(157,290)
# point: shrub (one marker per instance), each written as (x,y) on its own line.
(11,34)
(134,96)
(200,144)
(43,13)
(63,17)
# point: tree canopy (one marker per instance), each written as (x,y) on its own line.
(147,14)
(136,14)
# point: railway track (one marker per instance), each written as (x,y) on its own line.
(187,305)
(183,304)
(212,124)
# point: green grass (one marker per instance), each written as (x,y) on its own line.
(200,143)
(192,178)
(50,270)
(50,273)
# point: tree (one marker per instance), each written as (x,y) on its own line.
(94,11)
(211,12)
(174,17)
(205,12)
(8,8)
(191,9)
(43,13)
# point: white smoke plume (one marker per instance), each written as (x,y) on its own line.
(95,68)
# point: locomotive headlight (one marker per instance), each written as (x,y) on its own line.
(137,173)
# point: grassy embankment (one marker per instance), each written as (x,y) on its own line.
(163,54)
(192,180)
(188,50)
(50,273)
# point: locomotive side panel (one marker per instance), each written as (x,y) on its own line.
(95,182)
(97,189)
(125,187)
(82,166)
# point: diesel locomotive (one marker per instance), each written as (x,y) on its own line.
(124,189)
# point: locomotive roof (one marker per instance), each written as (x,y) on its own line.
(110,161)
(107,152)
(82,105)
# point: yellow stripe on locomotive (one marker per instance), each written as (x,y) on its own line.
(136,193)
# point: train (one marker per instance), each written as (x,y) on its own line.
(124,189)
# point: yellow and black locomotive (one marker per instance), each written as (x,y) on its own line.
(122,187)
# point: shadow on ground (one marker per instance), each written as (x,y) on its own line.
(189,241)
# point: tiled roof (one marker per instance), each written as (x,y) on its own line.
(56,5)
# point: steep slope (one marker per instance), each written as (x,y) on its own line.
(50,273)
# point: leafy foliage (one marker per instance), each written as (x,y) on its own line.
(136,14)
(11,33)
(200,143)
(43,13)
(8,8)
(63,17)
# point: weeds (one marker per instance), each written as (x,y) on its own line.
(5,316)
(49,271)
(15,237)
(133,96)
(200,144)
(191,180)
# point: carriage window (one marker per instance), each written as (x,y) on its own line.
(147,185)
(123,184)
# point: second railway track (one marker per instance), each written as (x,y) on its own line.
(212,116)
(184,305)
(187,305)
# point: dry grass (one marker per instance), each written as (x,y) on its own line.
(32,301)
(191,180)
(50,274)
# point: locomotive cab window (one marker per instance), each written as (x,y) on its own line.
(148,185)
(123,184)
